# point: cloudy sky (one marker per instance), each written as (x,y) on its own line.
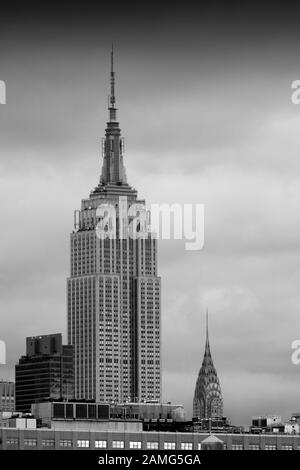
(204,98)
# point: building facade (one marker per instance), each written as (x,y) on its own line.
(113,299)
(130,436)
(146,412)
(7,396)
(208,401)
(90,411)
(45,372)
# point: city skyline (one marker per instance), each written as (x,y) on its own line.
(208,118)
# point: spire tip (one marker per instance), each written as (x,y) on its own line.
(112,58)
(206,322)
(112,98)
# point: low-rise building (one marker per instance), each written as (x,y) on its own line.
(268,423)
(148,410)
(124,436)
(9,419)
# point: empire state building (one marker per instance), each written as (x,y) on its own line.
(113,292)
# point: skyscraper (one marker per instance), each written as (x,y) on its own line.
(113,290)
(7,396)
(208,401)
(45,372)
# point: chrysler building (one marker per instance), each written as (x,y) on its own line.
(113,292)
(208,401)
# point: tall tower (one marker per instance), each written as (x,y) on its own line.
(113,298)
(208,401)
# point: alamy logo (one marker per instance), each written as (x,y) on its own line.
(163,221)
(2,352)
(295,358)
(2,92)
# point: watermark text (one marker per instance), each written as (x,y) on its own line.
(295,357)
(2,352)
(162,221)
(2,92)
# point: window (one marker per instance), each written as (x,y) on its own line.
(30,442)
(237,447)
(254,447)
(199,445)
(100,444)
(135,445)
(169,445)
(58,410)
(118,444)
(65,443)
(186,446)
(12,442)
(270,447)
(152,445)
(48,443)
(285,447)
(83,443)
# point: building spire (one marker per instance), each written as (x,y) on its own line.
(207,324)
(113,170)
(112,98)
(208,402)
(207,347)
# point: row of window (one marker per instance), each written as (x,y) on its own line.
(84,443)
(135,445)
(257,447)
